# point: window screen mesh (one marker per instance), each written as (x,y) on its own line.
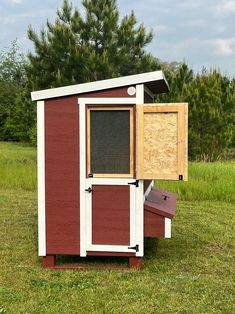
(110,141)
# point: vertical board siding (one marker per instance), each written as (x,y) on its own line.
(111,214)
(62,181)
(62,176)
(154,225)
(115,92)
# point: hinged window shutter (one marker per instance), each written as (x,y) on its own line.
(162,141)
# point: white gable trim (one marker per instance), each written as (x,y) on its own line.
(99,85)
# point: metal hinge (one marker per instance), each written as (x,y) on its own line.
(165,197)
(180,177)
(136,183)
(136,247)
(90,175)
(89,190)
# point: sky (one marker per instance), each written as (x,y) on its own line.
(199,32)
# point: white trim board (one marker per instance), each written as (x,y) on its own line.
(167,228)
(41,178)
(140,191)
(100,85)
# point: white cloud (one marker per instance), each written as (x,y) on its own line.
(224,47)
(226,7)
(17,1)
(161,28)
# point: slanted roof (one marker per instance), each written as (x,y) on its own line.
(155,81)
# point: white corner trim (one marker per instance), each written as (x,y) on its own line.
(41,178)
(99,85)
(167,228)
(82,149)
(140,94)
(140,189)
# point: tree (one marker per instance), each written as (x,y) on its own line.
(78,49)
(211,98)
(12,79)
(21,120)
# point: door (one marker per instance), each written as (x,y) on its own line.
(107,185)
(110,219)
(162,131)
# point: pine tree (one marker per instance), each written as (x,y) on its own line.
(12,79)
(78,49)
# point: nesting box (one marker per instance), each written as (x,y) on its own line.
(100,146)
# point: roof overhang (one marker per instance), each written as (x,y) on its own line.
(155,81)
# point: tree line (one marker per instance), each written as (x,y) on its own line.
(78,48)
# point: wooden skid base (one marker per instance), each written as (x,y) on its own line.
(49,262)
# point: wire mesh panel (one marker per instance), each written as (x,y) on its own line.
(110,141)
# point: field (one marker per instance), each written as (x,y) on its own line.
(191,273)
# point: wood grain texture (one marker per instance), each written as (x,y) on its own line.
(62,176)
(160,143)
(111,214)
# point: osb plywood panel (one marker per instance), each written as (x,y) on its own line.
(160,143)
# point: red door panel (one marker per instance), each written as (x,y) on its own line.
(111,214)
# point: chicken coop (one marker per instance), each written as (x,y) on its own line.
(100,146)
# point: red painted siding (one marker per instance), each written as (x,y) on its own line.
(111,214)
(62,176)
(147,184)
(62,171)
(154,225)
(115,92)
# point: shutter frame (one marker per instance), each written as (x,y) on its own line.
(180,171)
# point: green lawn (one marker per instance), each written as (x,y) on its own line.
(191,273)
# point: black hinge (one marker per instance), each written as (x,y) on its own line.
(180,177)
(165,197)
(136,183)
(136,247)
(89,190)
(90,175)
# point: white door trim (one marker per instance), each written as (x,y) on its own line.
(109,248)
(84,201)
(140,193)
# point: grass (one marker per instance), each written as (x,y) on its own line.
(207,181)
(190,273)
(17,166)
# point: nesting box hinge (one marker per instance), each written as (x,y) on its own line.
(136,183)
(136,247)
(165,197)
(180,177)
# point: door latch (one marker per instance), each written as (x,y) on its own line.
(136,247)
(89,190)
(136,183)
